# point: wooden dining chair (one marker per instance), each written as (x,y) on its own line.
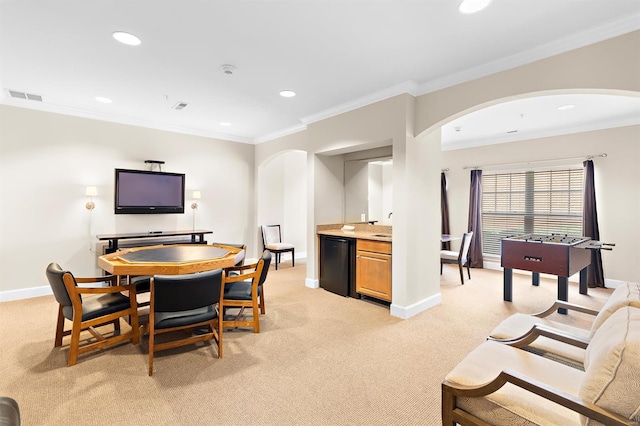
(459,257)
(185,302)
(272,240)
(243,288)
(91,307)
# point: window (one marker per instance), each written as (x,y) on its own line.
(540,202)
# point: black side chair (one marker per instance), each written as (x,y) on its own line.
(243,288)
(272,240)
(185,302)
(91,307)
(460,257)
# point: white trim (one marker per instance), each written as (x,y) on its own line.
(311,283)
(406,312)
(585,38)
(280,133)
(608,283)
(25,293)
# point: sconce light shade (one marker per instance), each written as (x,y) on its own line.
(196,195)
(91,191)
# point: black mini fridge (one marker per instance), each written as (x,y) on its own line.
(337,265)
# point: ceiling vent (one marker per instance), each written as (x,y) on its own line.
(27,96)
(179,106)
(228,69)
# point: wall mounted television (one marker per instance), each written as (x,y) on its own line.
(147,192)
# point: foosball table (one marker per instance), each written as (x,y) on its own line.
(555,254)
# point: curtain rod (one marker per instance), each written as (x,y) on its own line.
(586,157)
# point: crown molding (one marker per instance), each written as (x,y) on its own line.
(76,112)
(281,133)
(603,32)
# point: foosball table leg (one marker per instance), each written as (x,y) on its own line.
(535,278)
(507,284)
(563,292)
(583,280)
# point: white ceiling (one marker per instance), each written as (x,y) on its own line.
(336,54)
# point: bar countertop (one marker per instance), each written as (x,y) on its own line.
(363,231)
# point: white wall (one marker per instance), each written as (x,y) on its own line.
(617,185)
(282,198)
(48,159)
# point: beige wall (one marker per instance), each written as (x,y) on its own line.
(413,126)
(48,159)
(617,179)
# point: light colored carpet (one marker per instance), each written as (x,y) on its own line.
(321,359)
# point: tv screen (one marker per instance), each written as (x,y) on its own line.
(146,192)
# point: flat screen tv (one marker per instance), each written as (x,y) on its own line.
(146,192)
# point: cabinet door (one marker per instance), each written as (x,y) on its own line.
(373,274)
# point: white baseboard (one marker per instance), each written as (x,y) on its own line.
(25,293)
(405,312)
(311,283)
(608,283)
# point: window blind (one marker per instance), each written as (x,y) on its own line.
(541,202)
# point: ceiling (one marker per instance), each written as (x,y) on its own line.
(337,56)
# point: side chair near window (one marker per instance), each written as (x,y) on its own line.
(90,307)
(243,288)
(185,302)
(458,257)
(272,240)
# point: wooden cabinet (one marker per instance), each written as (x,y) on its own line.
(373,269)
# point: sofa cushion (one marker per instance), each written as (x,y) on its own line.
(612,365)
(627,294)
(512,405)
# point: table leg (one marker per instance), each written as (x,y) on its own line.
(583,280)
(535,278)
(507,282)
(563,292)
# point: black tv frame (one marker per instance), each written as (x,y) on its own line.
(152,208)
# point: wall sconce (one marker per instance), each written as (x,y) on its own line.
(196,196)
(194,206)
(91,192)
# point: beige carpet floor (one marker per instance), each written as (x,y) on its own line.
(321,359)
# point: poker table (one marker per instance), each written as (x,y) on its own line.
(170,259)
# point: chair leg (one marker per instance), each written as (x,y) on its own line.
(59,328)
(277,260)
(293,256)
(461,273)
(468,270)
(256,317)
(74,346)
(440,268)
(262,309)
(151,343)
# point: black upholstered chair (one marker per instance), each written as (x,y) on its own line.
(243,288)
(9,412)
(91,307)
(460,257)
(185,302)
(272,240)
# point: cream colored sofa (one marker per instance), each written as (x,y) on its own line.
(498,384)
(530,331)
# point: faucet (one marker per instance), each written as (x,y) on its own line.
(389,217)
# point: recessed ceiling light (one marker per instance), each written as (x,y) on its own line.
(287,93)
(224,124)
(126,38)
(103,99)
(472,6)
(566,107)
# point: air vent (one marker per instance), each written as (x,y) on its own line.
(22,95)
(512,131)
(179,106)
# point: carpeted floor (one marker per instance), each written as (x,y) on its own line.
(320,359)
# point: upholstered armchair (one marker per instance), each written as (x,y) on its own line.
(501,385)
